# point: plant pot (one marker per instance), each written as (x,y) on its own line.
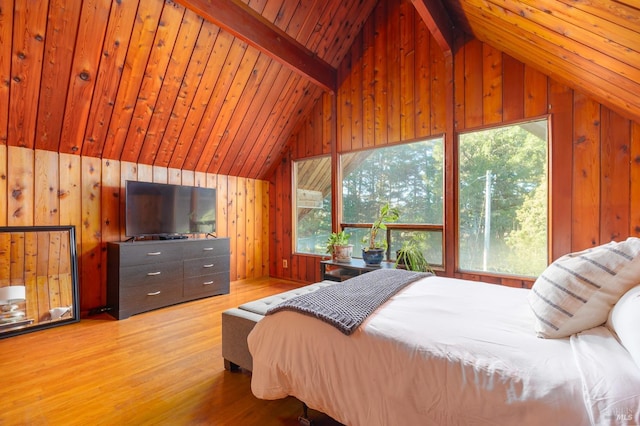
(373,256)
(342,253)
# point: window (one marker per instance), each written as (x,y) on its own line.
(502,199)
(409,176)
(312,204)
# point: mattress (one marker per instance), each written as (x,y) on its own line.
(445,351)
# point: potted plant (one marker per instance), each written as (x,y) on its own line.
(410,257)
(373,252)
(338,246)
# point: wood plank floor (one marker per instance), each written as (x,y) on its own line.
(158,368)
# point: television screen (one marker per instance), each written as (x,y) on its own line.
(164,209)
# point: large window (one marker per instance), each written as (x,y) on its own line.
(502,199)
(312,204)
(409,176)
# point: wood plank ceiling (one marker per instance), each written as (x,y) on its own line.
(151,81)
(154,82)
(592,46)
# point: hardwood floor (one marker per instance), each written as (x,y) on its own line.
(158,368)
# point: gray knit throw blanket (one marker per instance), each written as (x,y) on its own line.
(347,305)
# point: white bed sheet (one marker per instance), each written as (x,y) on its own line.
(442,351)
(611,383)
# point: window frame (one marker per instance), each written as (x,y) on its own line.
(294,202)
(429,227)
(456,196)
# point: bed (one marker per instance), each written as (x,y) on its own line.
(451,351)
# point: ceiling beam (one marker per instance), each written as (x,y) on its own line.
(246,24)
(437,20)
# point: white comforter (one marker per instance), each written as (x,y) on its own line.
(446,351)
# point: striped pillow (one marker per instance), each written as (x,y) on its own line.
(577,291)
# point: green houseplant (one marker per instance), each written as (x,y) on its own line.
(410,257)
(338,246)
(373,252)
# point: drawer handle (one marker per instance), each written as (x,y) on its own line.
(153,273)
(207,249)
(154,253)
(207,283)
(155,293)
(208,266)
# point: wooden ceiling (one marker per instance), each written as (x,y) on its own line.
(151,81)
(219,85)
(592,46)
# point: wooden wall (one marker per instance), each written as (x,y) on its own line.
(393,89)
(47,188)
(594,152)
(392,86)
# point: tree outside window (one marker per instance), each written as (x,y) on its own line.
(502,199)
(409,176)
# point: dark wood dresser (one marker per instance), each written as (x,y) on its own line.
(146,275)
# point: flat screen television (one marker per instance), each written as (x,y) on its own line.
(168,211)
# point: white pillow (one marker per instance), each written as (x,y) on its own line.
(624,320)
(577,291)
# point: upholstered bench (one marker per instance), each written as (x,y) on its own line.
(238,322)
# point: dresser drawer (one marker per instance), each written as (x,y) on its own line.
(170,272)
(143,253)
(148,296)
(206,285)
(197,267)
(206,248)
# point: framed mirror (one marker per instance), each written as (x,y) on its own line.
(38,278)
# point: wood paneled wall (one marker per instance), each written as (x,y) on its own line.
(393,89)
(594,155)
(392,86)
(47,188)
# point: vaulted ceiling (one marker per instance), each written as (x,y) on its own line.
(219,85)
(590,45)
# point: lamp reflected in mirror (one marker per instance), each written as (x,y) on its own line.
(10,313)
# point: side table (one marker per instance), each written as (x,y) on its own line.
(340,271)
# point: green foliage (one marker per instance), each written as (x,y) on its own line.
(428,242)
(411,256)
(531,235)
(387,214)
(410,176)
(337,239)
(313,227)
(516,158)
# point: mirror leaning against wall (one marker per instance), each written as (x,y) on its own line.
(38,278)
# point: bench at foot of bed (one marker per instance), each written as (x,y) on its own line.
(238,322)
